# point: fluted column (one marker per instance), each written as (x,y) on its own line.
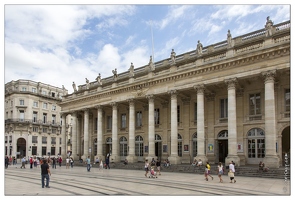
(201,123)
(174,158)
(232,122)
(151,130)
(63,137)
(115,157)
(74,135)
(86,134)
(131,142)
(79,137)
(271,159)
(99,132)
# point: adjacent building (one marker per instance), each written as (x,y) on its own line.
(32,119)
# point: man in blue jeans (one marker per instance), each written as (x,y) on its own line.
(88,163)
(45,172)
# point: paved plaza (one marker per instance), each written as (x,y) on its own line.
(118,182)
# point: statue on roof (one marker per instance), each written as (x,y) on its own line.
(131,70)
(199,48)
(268,27)
(151,64)
(115,74)
(173,56)
(98,79)
(229,39)
(74,87)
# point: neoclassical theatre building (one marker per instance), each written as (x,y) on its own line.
(228,101)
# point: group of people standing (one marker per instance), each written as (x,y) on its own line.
(220,171)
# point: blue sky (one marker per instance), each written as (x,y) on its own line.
(58,44)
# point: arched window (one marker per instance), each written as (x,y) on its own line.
(157,138)
(139,146)
(223,135)
(179,145)
(123,146)
(195,144)
(256,143)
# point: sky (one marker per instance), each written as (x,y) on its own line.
(59,44)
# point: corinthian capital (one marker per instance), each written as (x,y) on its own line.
(200,88)
(231,83)
(269,76)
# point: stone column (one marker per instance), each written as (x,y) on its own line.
(131,154)
(63,138)
(210,119)
(151,130)
(114,155)
(99,133)
(79,136)
(74,136)
(232,123)
(271,159)
(201,123)
(174,158)
(86,134)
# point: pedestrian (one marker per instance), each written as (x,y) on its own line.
(45,173)
(231,172)
(146,167)
(53,163)
(14,161)
(38,162)
(59,161)
(209,167)
(6,162)
(153,162)
(72,162)
(220,171)
(158,164)
(101,164)
(31,162)
(23,163)
(67,163)
(10,160)
(206,173)
(107,164)
(88,162)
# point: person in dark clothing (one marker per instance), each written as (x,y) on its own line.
(6,162)
(54,163)
(45,172)
(108,161)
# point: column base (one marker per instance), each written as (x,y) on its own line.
(230,158)
(203,158)
(271,161)
(175,160)
(131,159)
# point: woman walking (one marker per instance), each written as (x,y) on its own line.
(220,171)
(232,172)
(146,167)
(209,168)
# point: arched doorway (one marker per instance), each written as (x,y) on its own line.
(222,145)
(286,146)
(21,147)
(179,145)
(108,146)
(123,148)
(139,147)
(158,146)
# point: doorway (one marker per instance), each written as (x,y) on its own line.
(286,146)
(222,150)
(158,150)
(21,148)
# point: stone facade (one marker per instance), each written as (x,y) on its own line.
(32,119)
(229,102)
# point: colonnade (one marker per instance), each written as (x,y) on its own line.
(270,159)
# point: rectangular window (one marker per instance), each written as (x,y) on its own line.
(109,121)
(34,90)
(44,118)
(287,100)
(45,105)
(21,102)
(138,119)
(22,115)
(52,94)
(44,140)
(35,104)
(123,121)
(52,150)
(35,114)
(53,140)
(157,116)
(178,114)
(53,119)
(34,139)
(44,130)
(35,129)
(196,111)
(44,92)
(223,108)
(53,107)
(54,130)
(254,103)
(24,89)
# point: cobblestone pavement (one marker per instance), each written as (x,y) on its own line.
(77,181)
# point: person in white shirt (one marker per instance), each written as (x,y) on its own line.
(232,171)
(67,163)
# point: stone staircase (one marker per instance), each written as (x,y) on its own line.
(248,171)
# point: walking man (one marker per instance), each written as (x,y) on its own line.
(231,172)
(45,172)
(88,163)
